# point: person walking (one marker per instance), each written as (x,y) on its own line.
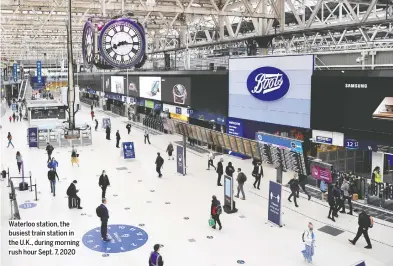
(10,118)
(159,164)
(72,193)
(103,213)
(20,115)
(229,170)
(146,134)
(108,132)
(215,212)
(294,186)
(241,179)
(128,127)
(258,173)
(210,161)
(13,117)
(347,195)
(365,222)
(332,203)
(220,171)
(74,156)
(309,243)
(49,149)
(103,183)
(339,198)
(96,124)
(92,115)
(9,138)
(19,160)
(117,139)
(17,118)
(155,258)
(169,150)
(302,184)
(52,180)
(53,164)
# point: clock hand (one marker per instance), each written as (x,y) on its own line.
(115,46)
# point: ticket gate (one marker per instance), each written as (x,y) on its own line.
(43,137)
(54,138)
(63,142)
(86,137)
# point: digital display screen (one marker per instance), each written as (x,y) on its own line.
(176,90)
(150,88)
(131,83)
(228,187)
(351,144)
(117,84)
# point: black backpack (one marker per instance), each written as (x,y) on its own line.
(218,208)
(99,211)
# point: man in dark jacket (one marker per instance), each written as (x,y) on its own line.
(49,149)
(155,258)
(52,180)
(241,179)
(229,170)
(215,211)
(117,139)
(71,192)
(159,163)
(220,171)
(365,222)
(257,173)
(103,183)
(96,124)
(128,127)
(108,132)
(104,216)
(294,186)
(302,184)
(332,203)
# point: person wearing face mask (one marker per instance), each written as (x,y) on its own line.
(103,183)
(309,242)
(155,258)
(241,179)
(220,171)
(229,170)
(257,173)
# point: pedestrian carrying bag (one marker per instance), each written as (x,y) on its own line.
(212,222)
(99,211)
(219,209)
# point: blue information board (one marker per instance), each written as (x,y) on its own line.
(106,122)
(128,150)
(13,106)
(15,72)
(32,137)
(292,144)
(180,160)
(275,203)
(39,72)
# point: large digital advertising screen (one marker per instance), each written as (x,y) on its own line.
(176,90)
(131,86)
(271,89)
(150,88)
(117,84)
(356,105)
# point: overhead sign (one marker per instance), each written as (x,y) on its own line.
(275,203)
(39,72)
(180,160)
(13,107)
(15,72)
(128,150)
(325,140)
(32,137)
(292,144)
(268,83)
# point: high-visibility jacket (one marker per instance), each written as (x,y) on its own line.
(377,177)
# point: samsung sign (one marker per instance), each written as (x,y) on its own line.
(271,89)
(268,83)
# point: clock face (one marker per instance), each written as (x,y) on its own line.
(88,45)
(122,43)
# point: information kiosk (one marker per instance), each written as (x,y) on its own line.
(229,203)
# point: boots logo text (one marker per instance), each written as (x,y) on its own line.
(268,83)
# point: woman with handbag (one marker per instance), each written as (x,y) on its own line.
(74,156)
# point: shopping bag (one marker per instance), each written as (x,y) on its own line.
(212,222)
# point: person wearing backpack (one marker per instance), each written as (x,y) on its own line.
(159,164)
(103,213)
(52,180)
(216,211)
(365,222)
(241,179)
(49,149)
(309,243)
(155,258)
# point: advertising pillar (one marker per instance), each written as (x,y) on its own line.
(275,204)
(229,204)
(180,160)
(32,137)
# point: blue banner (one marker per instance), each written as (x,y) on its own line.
(235,128)
(128,150)
(15,72)
(39,72)
(180,160)
(32,135)
(106,122)
(275,203)
(117,97)
(324,140)
(13,106)
(292,144)
(157,106)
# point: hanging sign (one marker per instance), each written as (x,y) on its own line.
(15,72)
(39,72)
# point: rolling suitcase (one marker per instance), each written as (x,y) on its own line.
(71,203)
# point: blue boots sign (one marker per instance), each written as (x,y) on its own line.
(128,150)
(180,160)
(268,83)
(275,204)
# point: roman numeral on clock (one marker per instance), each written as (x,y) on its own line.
(121,27)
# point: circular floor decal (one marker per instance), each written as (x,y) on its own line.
(241,262)
(123,237)
(28,205)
